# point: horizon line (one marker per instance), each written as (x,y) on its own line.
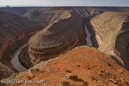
(55,6)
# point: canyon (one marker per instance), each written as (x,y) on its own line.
(42,38)
(14,31)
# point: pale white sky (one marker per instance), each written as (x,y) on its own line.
(65,2)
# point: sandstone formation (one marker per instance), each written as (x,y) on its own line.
(5,71)
(47,17)
(82,66)
(57,38)
(111,31)
(14,31)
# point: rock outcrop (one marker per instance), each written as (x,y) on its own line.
(57,38)
(111,30)
(82,66)
(5,71)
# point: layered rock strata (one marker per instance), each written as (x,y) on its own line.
(14,31)
(24,57)
(111,31)
(48,16)
(57,38)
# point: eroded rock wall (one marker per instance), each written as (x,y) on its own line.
(12,44)
(45,54)
(122,46)
(108,27)
(14,31)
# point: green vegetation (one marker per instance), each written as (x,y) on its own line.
(92,37)
(92,78)
(65,83)
(16,48)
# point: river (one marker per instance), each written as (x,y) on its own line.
(88,38)
(15,60)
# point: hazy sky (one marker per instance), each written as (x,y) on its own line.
(65,2)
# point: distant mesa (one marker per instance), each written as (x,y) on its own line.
(48,16)
(7,6)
